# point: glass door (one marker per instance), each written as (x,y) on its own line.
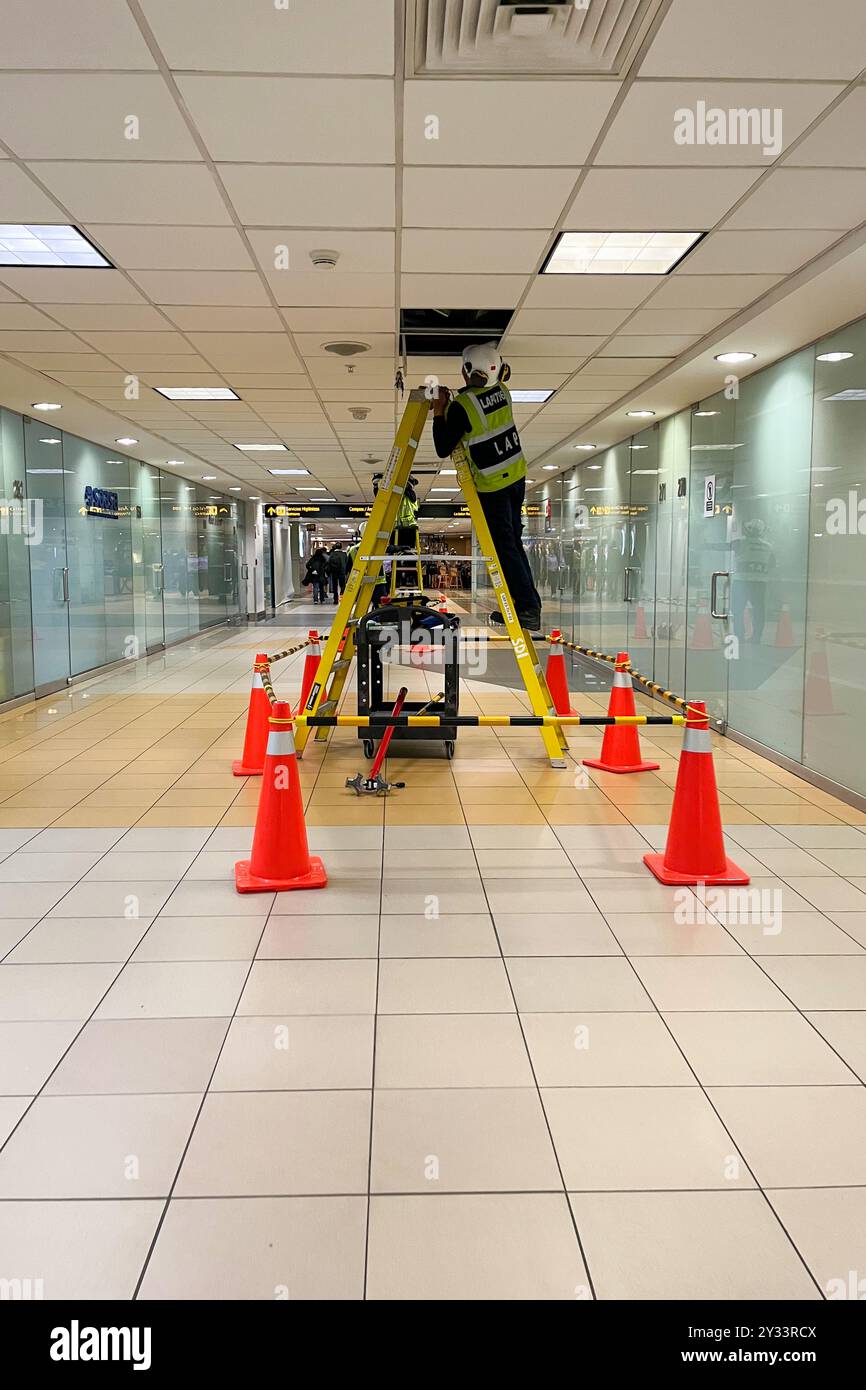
(639,582)
(151,548)
(709,647)
(49,569)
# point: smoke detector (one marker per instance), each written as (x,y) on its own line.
(346,349)
(324,260)
(359,412)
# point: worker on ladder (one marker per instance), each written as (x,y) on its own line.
(481,417)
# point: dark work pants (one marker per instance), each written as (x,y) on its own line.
(502,512)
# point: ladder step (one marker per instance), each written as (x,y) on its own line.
(326,704)
(339,665)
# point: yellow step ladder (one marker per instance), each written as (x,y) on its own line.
(338,654)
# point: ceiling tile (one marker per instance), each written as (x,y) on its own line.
(710,291)
(302,195)
(653,320)
(705,39)
(304,36)
(183,248)
(643,130)
(131,318)
(359,252)
(303,120)
(667,200)
(40,340)
(207,318)
(226,351)
(461,291)
(590,291)
(550,346)
(23,316)
(88,34)
(168,194)
(567,321)
(340,322)
(115,343)
(624,367)
(60,285)
(838,140)
(231,287)
(805,198)
(635,345)
(87,116)
(21,200)
(321,287)
(724,253)
(503,122)
(473,197)
(472,252)
(65,361)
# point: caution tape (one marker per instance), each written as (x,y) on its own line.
(652,686)
(480,721)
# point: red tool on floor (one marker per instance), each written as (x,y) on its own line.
(374,784)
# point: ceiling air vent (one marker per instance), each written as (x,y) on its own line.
(535,38)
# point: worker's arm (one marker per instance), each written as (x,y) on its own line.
(449,428)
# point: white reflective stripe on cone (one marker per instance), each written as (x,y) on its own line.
(257,681)
(697,741)
(622,678)
(281,743)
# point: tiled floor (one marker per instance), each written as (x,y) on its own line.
(494,1058)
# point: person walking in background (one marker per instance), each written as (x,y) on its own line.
(337,571)
(316,573)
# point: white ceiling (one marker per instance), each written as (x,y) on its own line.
(267,133)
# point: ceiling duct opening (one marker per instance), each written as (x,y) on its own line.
(446,332)
(534,38)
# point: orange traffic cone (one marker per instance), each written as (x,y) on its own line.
(702,635)
(620,750)
(818,692)
(784,629)
(311,665)
(640,622)
(557,676)
(252,760)
(695,849)
(280,856)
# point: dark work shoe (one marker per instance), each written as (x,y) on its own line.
(532,620)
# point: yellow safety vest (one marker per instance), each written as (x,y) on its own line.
(493,444)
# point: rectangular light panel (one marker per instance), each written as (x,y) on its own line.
(62,245)
(618,253)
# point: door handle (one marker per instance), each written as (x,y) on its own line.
(65,574)
(159,575)
(629,569)
(714,588)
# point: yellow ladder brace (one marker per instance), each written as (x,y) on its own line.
(334,664)
(522,645)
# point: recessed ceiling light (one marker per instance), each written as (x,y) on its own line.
(208,477)
(856,393)
(234,489)
(527,396)
(317,488)
(735,356)
(598,489)
(323,499)
(834,356)
(640,414)
(447,472)
(299,472)
(618,253)
(593,467)
(708,448)
(263,448)
(444,489)
(635,447)
(46,405)
(550,467)
(586,448)
(59,245)
(197,393)
(126,439)
(255,499)
(50,441)
(703,414)
(643,472)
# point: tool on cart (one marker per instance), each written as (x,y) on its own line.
(374,783)
(328,686)
(380,638)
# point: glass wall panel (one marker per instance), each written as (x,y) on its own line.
(834,725)
(670,626)
(640,542)
(21,530)
(49,564)
(713,444)
(769,548)
(173,509)
(606,494)
(101,619)
(151,556)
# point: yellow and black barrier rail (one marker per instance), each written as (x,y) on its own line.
(290,651)
(479,721)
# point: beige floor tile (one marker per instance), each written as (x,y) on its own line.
(450,1050)
(604,1049)
(757,1049)
(767,1125)
(260,1248)
(686,1245)
(281,1053)
(845,1031)
(828,1227)
(83,1250)
(140,1056)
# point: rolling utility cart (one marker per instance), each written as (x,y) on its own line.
(435,637)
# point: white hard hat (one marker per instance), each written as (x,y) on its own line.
(483,358)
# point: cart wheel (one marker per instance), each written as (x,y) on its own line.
(449,749)
(369,747)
